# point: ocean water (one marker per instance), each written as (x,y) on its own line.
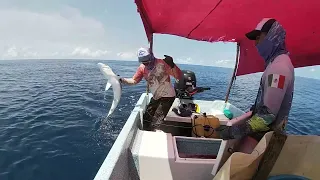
(52,113)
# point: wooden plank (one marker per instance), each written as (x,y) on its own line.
(270,156)
(299,157)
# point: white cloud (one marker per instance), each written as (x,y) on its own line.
(312,70)
(63,34)
(126,55)
(13,53)
(184,60)
(218,63)
(86,52)
(224,63)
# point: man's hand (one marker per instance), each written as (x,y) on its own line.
(169,61)
(224,132)
(120,78)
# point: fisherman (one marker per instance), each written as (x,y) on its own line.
(157,74)
(273,102)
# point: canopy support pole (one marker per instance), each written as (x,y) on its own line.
(151,43)
(151,51)
(234,73)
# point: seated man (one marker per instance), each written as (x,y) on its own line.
(157,74)
(273,103)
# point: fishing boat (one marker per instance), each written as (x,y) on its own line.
(182,154)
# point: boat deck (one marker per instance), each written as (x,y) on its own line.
(209,107)
(138,154)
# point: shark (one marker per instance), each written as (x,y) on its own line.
(114,81)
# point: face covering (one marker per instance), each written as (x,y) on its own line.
(273,44)
(150,65)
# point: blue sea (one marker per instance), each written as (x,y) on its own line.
(52,113)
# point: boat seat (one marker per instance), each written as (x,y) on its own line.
(152,154)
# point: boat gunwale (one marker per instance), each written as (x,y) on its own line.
(122,142)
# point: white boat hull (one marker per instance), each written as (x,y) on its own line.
(135,152)
(138,154)
(116,165)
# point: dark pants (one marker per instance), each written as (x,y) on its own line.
(258,135)
(155,112)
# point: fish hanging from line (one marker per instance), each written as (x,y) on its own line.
(114,81)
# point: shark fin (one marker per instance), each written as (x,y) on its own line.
(108,86)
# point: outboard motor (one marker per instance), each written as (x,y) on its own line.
(186,87)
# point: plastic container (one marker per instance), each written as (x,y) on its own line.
(228,113)
(287,177)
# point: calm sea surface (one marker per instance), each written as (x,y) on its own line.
(51,113)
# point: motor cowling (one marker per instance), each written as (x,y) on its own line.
(187,83)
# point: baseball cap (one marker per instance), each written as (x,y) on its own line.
(264,26)
(144,55)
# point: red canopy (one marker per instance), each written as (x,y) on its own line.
(229,20)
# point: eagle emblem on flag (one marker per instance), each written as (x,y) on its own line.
(276,81)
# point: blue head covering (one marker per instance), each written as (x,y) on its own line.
(273,44)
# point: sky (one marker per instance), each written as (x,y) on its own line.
(99,29)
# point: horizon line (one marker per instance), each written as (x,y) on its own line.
(106,60)
(126,60)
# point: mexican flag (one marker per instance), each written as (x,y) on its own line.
(276,81)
